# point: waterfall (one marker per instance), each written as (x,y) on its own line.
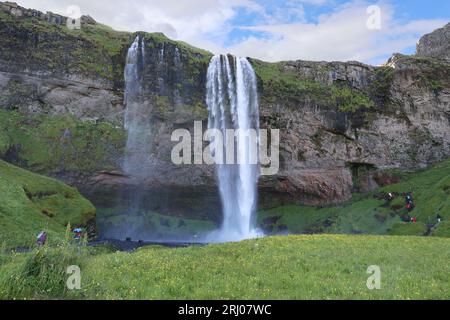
(232,100)
(137,116)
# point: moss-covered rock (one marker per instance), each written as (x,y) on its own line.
(94,51)
(280,82)
(60,145)
(173,71)
(36,45)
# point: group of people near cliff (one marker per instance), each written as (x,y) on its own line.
(409,206)
(41,241)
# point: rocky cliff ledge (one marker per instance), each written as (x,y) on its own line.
(61,104)
(435,44)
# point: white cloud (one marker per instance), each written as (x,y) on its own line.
(192,21)
(339,35)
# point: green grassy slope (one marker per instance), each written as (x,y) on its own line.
(294,267)
(30,203)
(371,214)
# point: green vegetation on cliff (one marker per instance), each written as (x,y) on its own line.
(294,267)
(174,76)
(195,53)
(95,50)
(434,73)
(279,84)
(371,213)
(30,203)
(41,143)
(382,84)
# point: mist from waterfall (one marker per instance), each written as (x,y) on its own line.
(148,73)
(232,99)
(137,162)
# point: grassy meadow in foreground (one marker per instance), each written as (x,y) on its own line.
(293,267)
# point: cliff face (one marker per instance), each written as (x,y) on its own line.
(435,44)
(341,123)
(326,138)
(47,68)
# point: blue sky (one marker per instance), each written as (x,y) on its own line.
(273,30)
(309,12)
(420,9)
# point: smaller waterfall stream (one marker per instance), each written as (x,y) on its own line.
(137,118)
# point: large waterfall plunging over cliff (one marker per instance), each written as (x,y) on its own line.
(137,117)
(232,99)
(156,85)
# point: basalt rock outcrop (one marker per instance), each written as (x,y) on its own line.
(340,122)
(435,44)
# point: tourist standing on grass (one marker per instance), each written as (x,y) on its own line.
(42,239)
(409,202)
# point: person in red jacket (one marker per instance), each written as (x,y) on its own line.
(409,203)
